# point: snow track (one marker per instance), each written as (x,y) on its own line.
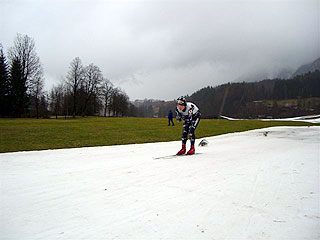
(261,184)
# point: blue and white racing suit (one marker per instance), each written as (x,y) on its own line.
(191,116)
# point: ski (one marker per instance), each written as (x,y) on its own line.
(174,156)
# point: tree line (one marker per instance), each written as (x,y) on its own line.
(254,99)
(86,92)
(153,108)
(83,92)
(248,99)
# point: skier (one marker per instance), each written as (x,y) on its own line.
(191,115)
(170,118)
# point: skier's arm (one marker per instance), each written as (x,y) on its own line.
(190,112)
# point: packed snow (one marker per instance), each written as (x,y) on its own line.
(260,184)
(310,119)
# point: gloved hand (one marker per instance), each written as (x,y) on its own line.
(179,117)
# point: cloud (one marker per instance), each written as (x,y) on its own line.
(162,49)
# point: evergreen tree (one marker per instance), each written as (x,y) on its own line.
(4,85)
(18,89)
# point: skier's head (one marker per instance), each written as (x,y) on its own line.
(181,102)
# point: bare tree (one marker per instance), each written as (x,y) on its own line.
(36,89)
(56,99)
(74,80)
(119,102)
(106,93)
(123,104)
(66,101)
(92,81)
(114,101)
(25,52)
(43,106)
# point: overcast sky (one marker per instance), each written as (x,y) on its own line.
(163,49)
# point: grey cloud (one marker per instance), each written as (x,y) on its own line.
(162,49)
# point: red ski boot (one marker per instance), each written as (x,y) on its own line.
(183,150)
(191,151)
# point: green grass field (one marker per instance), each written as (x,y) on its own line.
(39,134)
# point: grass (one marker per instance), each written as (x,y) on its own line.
(40,134)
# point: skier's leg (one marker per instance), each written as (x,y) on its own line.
(192,130)
(193,127)
(184,138)
(185,131)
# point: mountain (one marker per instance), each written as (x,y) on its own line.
(284,73)
(311,67)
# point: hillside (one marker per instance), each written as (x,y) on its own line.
(310,67)
(261,99)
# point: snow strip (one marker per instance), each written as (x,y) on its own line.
(260,184)
(310,119)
